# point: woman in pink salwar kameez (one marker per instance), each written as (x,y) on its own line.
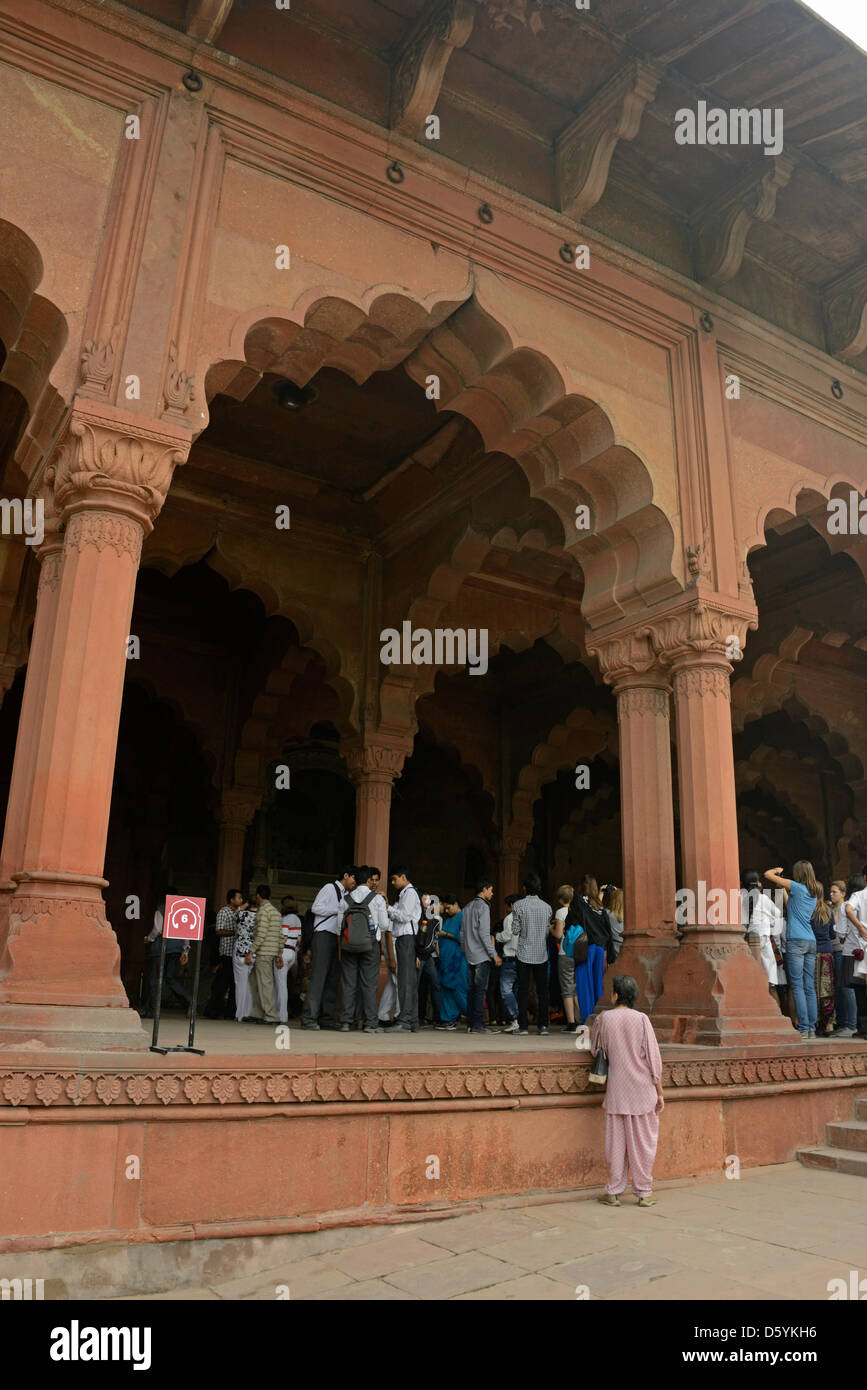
(633,1094)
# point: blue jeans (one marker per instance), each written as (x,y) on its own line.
(801,970)
(479,975)
(508,980)
(847,1013)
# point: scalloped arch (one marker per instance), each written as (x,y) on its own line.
(808,498)
(240,575)
(262,735)
(582,736)
(753,698)
(454,750)
(34,333)
(605,798)
(515,395)
(210,756)
(749,775)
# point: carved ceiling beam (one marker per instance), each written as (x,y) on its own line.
(721,228)
(584,149)
(845,303)
(420,65)
(205,18)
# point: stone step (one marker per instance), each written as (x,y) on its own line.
(847,1134)
(838,1160)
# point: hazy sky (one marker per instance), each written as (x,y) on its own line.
(849,16)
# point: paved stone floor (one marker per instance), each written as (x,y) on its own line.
(221,1038)
(775,1233)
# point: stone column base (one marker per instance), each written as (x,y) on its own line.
(647,959)
(60,984)
(715,994)
(70,1028)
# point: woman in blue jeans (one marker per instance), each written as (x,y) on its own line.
(805,895)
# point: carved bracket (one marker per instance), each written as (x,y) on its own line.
(846,314)
(584,149)
(421,63)
(98,362)
(720,229)
(205,18)
(178,390)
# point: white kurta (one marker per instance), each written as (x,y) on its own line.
(769,921)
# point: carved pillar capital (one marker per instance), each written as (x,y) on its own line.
(700,627)
(514,841)
(710,631)
(111,461)
(238,806)
(624,656)
(375,760)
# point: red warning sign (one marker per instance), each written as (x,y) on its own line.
(185,919)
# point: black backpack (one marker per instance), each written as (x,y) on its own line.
(308,927)
(596,925)
(426,936)
(356,927)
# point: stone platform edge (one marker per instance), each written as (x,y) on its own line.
(78,1083)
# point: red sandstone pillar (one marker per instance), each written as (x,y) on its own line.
(373,765)
(50,555)
(237,809)
(647,819)
(512,848)
(60,982)
(714,991)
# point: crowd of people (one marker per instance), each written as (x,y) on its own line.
(425,960)
(357,961)
(814,950)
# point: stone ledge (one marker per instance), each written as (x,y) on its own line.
(242,1082)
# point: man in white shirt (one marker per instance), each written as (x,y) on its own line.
(359,973)
(321,998)
(509,968)
(404,917)
(291,938)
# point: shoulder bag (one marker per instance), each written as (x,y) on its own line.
(598,1074)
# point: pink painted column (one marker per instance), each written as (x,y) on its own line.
(714,992)
(60,982)
(237,809)
(647,821)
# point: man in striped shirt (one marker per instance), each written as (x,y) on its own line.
(221,1003)
(531,919)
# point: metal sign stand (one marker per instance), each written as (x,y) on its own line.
(200,1051)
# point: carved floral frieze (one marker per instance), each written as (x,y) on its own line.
(48,1087)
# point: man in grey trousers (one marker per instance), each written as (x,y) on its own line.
(404,917)
(478,947)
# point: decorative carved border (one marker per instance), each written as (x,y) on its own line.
(42,1087)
